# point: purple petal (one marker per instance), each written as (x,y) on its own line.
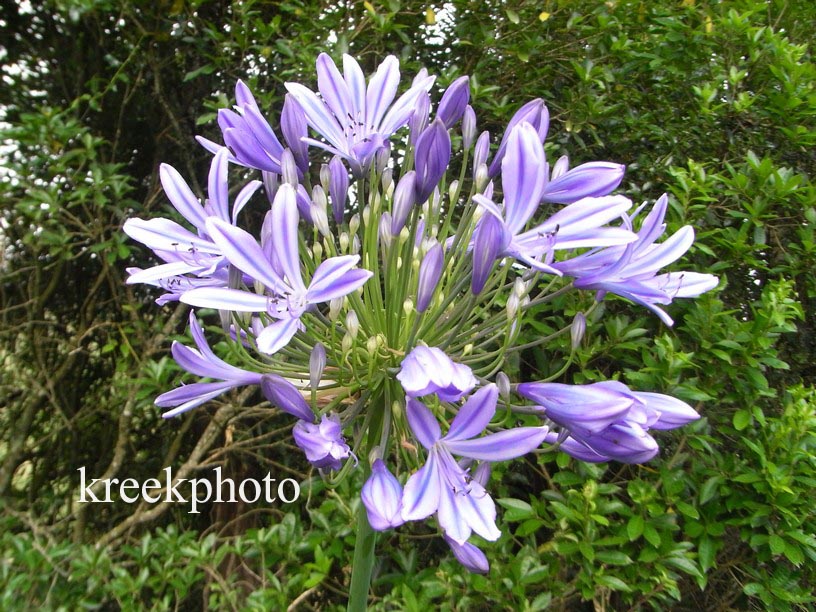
(243,197)
(248,150)
(165,235)
(285,242)
(277,335)
(338,188)
(242,251)
(432,155)
(499,446)
(294,129)
(222,298)
(355,80)
(420,497)
(474,416)
(685,284)
(524,176)
(333,279)
(181,196)
(405,196)
(334,90)
(423,423)
(286,396)
(401,110)
(663,254)
(673,412)
(489,241)
(381,91)
(593,179)
(262,131)
(317,114)
(188,397)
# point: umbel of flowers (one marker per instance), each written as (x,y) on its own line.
(399,251)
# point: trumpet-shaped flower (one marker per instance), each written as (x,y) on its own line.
(631,271)
(356,120)
(462,504)
(183,251)
(323,443)
(277,269)
(427,369)
(524,180)
(202,362)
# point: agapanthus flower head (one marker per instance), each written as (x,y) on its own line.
(354,119)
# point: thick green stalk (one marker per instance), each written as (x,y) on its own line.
(363,563)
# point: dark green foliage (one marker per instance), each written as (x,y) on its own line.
(713,102)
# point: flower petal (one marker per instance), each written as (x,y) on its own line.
(474,416)
(421,495)
(499,446)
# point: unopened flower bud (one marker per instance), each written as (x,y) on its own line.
(346,343)
(404,234)
(468,127)
(335,306)
(286,396)
(419,118)
(467,350)
(512,306)
(503,383)
(270,183)
(430,272)
(352,323)
(338,187)
(387,179)
(325,176)
(371,345)
(384,229)
(482,150)
(481,177)
(321,220)
(431,157)
(453,189)
(317,362)
(560,167)
(344,242)
(366,214)
(382,498)
(355,245)
(382,158)
(404,199)
(317,251)
(289,168)
(519,288)
(577,330)
(354,223)
(454,101)
(408,306)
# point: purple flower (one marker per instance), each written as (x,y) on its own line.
(183,251)
(607,420)
(381,495)
(427,369)
(524,179)
(202,362)
(355,120)
(536,114)
(405,196)
(338,188)
(323,444)
(249,137)
(443,486)
(631,271)
(278,269)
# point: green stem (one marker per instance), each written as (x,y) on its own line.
(363,563)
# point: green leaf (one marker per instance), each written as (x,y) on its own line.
(651,536)
(612,582)
(742,418)
(634,528)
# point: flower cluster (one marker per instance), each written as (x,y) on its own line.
(395,262)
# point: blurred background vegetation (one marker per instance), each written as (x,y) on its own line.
(711,101)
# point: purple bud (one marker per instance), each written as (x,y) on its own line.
(427,369)
(430,270)
(323,444)
(503,383)
(468,127)
(382,497)
(419,118)
(317,362)
(404,199)
(289,168)
(294,129)
(285,396)
(481,151)
(591,180)
(432,154)
(384,229)
(489,240)
(270,183)
(338,187)
(473,559)
(536,114)
(577,330)
(454,101)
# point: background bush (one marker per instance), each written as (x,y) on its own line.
(713,102)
